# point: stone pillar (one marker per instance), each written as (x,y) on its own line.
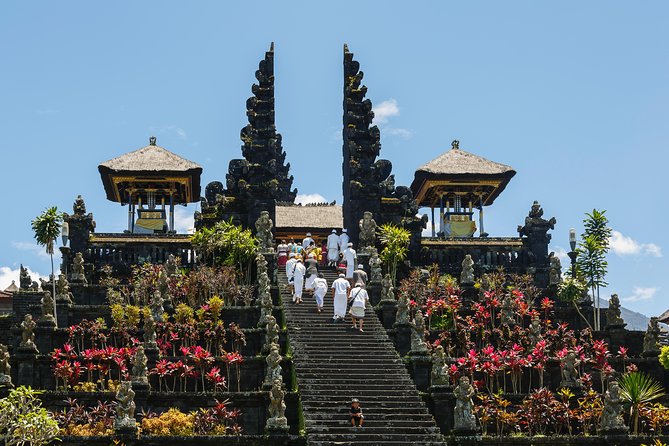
(403,338)
(421,368)
(441,404)
(387,310)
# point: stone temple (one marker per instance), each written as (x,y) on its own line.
(148,336)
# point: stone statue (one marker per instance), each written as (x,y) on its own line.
(534,331)
(467,274)
(277,407)
(387,290)
(79,207)
(367,237)
(507,314)
(47,309)
(535,220)
(555,272)
(150,333)
(651,338)
(376,276)
(464,419)
(612,413)
(125,408)
(156,305)
(27,335)
(266,304)
(5,367)
(63,293)
(613,318)
(272,332)
(569,370)
(418,333)
(78,274)
(273,360)
(171,265)
(139,367)
(264,234)
(402,315)
(438,366)
(25,281)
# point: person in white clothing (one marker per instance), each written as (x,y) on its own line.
(340,290)
(306,241)
(343,240)
(290,269)
(333,248)
(358,299)
(351,258)
(298,280)
(321,289)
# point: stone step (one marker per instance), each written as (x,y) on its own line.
(374,443)
(371,430)
(358,435)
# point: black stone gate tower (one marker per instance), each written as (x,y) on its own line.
(261,179)
(368,183)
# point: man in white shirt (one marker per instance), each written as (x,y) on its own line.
(290,269)
(298,281)
(307,241)
(343,240)
(333,248)
(359,299)
(320,290)
(340,290)
(351,258)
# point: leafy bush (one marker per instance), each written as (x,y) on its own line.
(24,421)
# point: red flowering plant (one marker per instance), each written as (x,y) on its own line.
(101,366)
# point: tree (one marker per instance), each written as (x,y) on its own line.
(47,227)
(638,389)
(591,256)
(395,241)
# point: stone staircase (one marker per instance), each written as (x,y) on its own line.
(335,363)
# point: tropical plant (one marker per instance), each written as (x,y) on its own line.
(664,356)
(638,389)
(571,290)
(591,255)
(24,421)
(47,227)
(395,241)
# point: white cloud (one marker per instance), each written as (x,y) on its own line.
(31,247)
(623,245)
(561,254)
(8,274)
(402,133)
(310,198)
(181,133)
(385,110)
(184,220)
(641,293)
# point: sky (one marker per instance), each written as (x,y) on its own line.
(573,95)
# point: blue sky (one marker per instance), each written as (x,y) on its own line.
(573,95)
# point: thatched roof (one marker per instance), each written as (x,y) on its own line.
(309,217)
(12,288)
(458,162)
(664,317)
(151,158)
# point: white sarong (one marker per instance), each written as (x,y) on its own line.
(298,281)
(340,302)
(309,283)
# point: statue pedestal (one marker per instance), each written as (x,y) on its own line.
(421,366)
(25,358)
(650,354)
(403,338)
(277,426)
(374,292)
(387,309)
(44,336)
(469,293)
(442,403)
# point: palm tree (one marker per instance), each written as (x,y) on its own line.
(637,389)
(47,227)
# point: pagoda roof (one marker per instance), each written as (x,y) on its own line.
(461,168)
(310,216)
(12,288)
(151,165)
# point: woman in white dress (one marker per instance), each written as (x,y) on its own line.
(298,280)
(320,290)
(340,290)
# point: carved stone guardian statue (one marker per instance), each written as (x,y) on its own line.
(156,305)
(555,271)
(507,314)
(376,276)
(125,409)
(277,407)
(612,421)
(47,304)
(139,368)
(5,367)
(651,338)
(150,333)
(613,318)
(402,315)
(464,419)
(274,370)
(418,333)
(387,290)
(25,281)
(534,331)
(367,237)
(272,332)
(266,304)
(264,234)
(569,370)
(439,377)
(78,273)
(467,274)
(171,266)
(63,293)
(27,335)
